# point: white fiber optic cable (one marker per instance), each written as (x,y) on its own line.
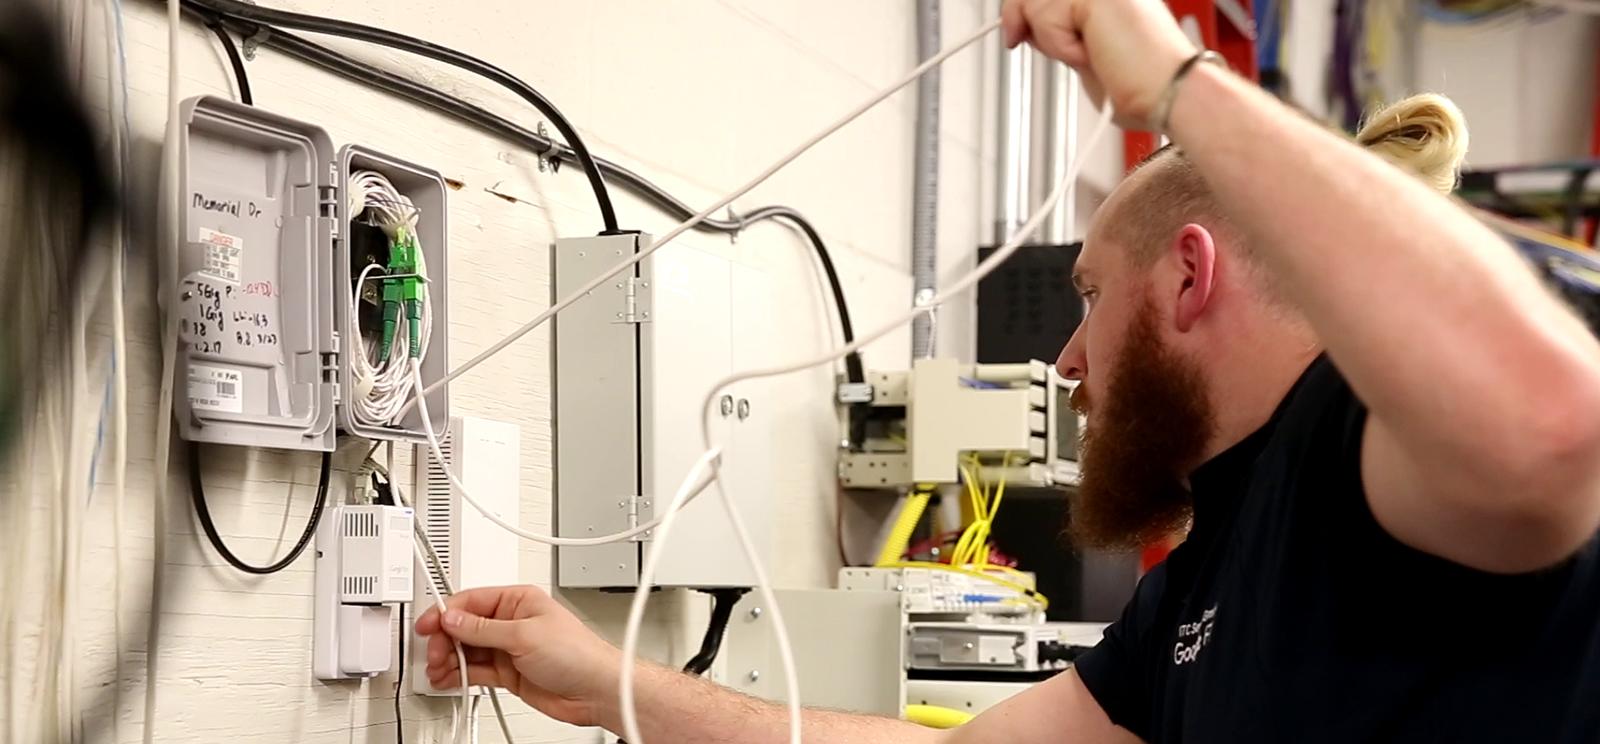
(703,473)
(172,239)
(960,285)
(687,224)
(785,648)
(692,484)
(461,656)
(432,560)
(437,450)
(423,391)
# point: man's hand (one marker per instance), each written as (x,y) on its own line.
(521,639)
(1126,50)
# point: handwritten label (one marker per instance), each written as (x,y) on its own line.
(246,338)
(214,388)
(265,289)
(226,206)
(224,255)
(254,320)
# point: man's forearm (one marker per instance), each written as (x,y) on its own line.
(676,708)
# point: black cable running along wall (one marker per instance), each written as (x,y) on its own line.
(317,24)
(491,123)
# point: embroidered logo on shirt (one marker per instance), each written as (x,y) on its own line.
(1193,637)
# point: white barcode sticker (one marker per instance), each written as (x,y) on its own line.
(224,254)
(213,388)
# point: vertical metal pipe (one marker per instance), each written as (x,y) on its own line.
(1074,96)
(925,184)
(1055,228)
(1016,135)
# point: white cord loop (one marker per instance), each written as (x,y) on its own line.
(382,386)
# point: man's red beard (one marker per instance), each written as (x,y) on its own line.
(1148,434)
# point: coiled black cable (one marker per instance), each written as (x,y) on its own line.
(198,494)
(393,40)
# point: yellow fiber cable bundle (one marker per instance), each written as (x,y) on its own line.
(904,525)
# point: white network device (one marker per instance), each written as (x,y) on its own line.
(485,455)
(363,568)
(927,591)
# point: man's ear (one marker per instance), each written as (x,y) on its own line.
(1196,255)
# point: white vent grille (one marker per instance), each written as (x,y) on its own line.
(360,524)
(360,586)
(436,511)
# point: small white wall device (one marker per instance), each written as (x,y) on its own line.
(364,568)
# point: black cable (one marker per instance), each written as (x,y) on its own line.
(400,677)
(198,494)
(317,24)
(234,59)
(485,120)
(852,361)
(721,612)
(723,601)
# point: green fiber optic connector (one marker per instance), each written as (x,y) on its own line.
(404,289)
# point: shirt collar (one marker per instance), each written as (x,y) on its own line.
(1222,479)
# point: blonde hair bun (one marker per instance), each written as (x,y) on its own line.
(1425,134)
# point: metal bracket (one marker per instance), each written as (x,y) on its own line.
(855,392)
(254,41)
(547,161)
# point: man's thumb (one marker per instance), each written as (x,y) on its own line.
(482,632)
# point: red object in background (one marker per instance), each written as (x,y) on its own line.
(1237,45)
(1152,556)
(1220,33)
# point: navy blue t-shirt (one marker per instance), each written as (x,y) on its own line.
(1290,615)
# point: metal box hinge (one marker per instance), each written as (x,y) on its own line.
(635,300)
(639,508)
(330,366)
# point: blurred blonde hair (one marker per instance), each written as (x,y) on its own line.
(1425,134)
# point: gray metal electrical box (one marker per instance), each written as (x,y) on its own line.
(633,361)
(264,282)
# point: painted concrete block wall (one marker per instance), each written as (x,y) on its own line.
(696,94)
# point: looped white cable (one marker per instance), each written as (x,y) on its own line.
(659,541)
(688,224)
(383,386)
(692,485)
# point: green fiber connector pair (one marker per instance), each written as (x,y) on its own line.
(403,288)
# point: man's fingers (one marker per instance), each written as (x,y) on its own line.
(439,647)
(428,622)
(508,602)
(1013,23)
(477,630)
(449,677)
